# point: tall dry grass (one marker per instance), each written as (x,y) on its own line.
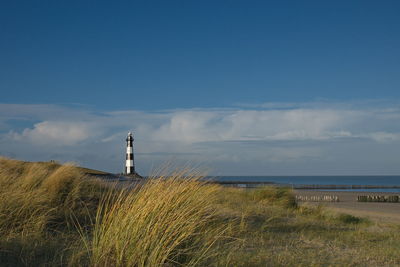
(173,220)
(39,204)
(169,220)
(36,195)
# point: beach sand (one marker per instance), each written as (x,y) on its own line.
(376,211)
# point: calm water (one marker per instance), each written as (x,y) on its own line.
(321,180)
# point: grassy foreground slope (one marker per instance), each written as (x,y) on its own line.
(56,215)
(273,231)
(40,203)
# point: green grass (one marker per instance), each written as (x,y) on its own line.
(56,215)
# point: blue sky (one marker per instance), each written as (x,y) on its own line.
(260,87)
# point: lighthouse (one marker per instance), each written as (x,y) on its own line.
(130,163)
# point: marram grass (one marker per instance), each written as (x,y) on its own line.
(39,203)
(167,221)
(55,215)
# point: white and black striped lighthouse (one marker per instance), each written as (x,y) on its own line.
(130,163)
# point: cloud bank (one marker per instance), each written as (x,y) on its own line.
(268,139)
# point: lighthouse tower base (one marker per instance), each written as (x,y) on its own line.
(133,175)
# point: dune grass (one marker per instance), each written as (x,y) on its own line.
(39,204)
(169,220)
(55,215)
(273,230)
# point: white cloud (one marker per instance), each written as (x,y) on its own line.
(261,125)
(56,133)
(196,126)
(297,133)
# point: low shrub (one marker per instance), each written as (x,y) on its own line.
(350,219)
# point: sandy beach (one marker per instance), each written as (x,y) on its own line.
(376,211)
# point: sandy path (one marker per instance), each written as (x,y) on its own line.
(382,212)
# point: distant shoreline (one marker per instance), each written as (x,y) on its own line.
(319,187)
(346,183)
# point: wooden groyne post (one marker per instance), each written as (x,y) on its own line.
(379,198)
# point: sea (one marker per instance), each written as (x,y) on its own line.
(378,180)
